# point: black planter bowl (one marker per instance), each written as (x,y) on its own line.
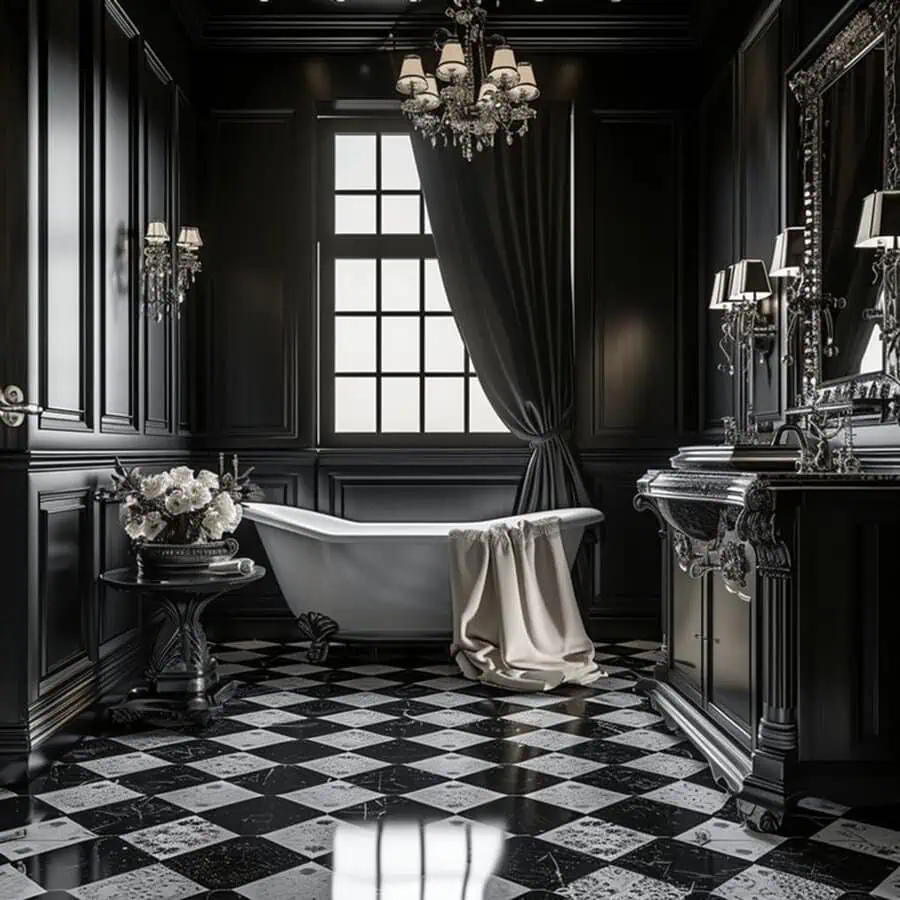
(168,560)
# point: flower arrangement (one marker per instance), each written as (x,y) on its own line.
(180,506)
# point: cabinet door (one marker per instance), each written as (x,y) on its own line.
(730,636)
(687,628)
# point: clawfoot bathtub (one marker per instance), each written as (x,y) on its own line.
(374,579)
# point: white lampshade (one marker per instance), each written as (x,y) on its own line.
(485,92)
(430,98)
(412,76)
(787,260)
(189,238)
(157,233)
(503,67)
(879,225)
(527,88)
(453,61)
(719,298)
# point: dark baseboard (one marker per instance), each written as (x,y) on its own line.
(610,629)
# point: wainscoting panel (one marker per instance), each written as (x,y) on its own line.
(119,613)
(121,230)
(64,298)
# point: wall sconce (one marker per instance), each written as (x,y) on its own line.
(165,290)
(719,302)
(13,407)
(751,291)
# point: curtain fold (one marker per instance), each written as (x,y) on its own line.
(501,227)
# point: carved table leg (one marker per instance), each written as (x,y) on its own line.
(318,629)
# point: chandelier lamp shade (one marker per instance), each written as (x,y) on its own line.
(474,102)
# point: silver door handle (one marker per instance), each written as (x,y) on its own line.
(13,407)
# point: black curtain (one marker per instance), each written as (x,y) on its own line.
(501,227)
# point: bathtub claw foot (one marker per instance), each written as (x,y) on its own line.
(318,629)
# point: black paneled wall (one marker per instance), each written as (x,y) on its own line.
(96,138)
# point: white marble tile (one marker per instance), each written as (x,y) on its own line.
(448,683)
(618,699)
(123,764)
(312,838)
(150,740)
(88,796)
(604,840)
(249,740)
(343,765)
(332,795)
(561,765)
(442,669)
(582,798)
(298,668)
(613,684)
(157,882)
(731,839)
(265,718)
(449,739)
(372,669)
(862,838)
(761,883)
(289,683)
(309,881)
(630,718)
(646,740)
(227,670)
(452,765)
(232,764)
(614,670)
(208,796)
(641,645)
(363,699)
(248,645)
(547,740)
(533,700)
(358,718)
(687,795)
(498,888)
(237,656)
(39,837)
(448,718)
(540,718)
(667,764)
(889,889)
(453,796)
(278,699)
(181,836)
(650,655)
(615,883)
(368,683)
(818,804)
(352,739)
(447,699)
(298,656)
(15,885)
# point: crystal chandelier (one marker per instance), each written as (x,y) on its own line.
(164,290)
(477,102)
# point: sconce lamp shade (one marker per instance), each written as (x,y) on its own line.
(719,298)
(787,261)
(189,238)
(880,222)
(453,61)
(750,281)
(157,233)
(412,76)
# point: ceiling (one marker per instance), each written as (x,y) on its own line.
(359,25)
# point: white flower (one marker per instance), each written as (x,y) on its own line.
(178,502)
(213,523)
(134,527)
(200,495)
(154,486)
(181,476)
(224,506)
(208,479)
(153,525)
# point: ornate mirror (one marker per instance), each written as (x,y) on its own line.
(849,148)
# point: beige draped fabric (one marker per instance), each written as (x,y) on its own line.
(516,623)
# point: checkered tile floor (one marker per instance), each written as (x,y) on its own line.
(599,800)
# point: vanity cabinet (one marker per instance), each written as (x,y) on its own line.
(779,616)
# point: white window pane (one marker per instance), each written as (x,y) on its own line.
(354,162)
(354,405)
(399,405)
(354,214)
(444,351)
(444,409)
(354,344)
(435,295)
(427,228)
(400,215)
(354,285)
(400,285)
(482,417)
(400,344)
(398,164)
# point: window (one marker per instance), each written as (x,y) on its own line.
(394,367)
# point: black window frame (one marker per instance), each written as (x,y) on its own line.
(379,247)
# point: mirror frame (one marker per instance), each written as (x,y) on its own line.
(867,393)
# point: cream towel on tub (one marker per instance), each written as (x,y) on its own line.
(516,623)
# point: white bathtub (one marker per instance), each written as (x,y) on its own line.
(376,579)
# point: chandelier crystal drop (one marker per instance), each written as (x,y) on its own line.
(478,102)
